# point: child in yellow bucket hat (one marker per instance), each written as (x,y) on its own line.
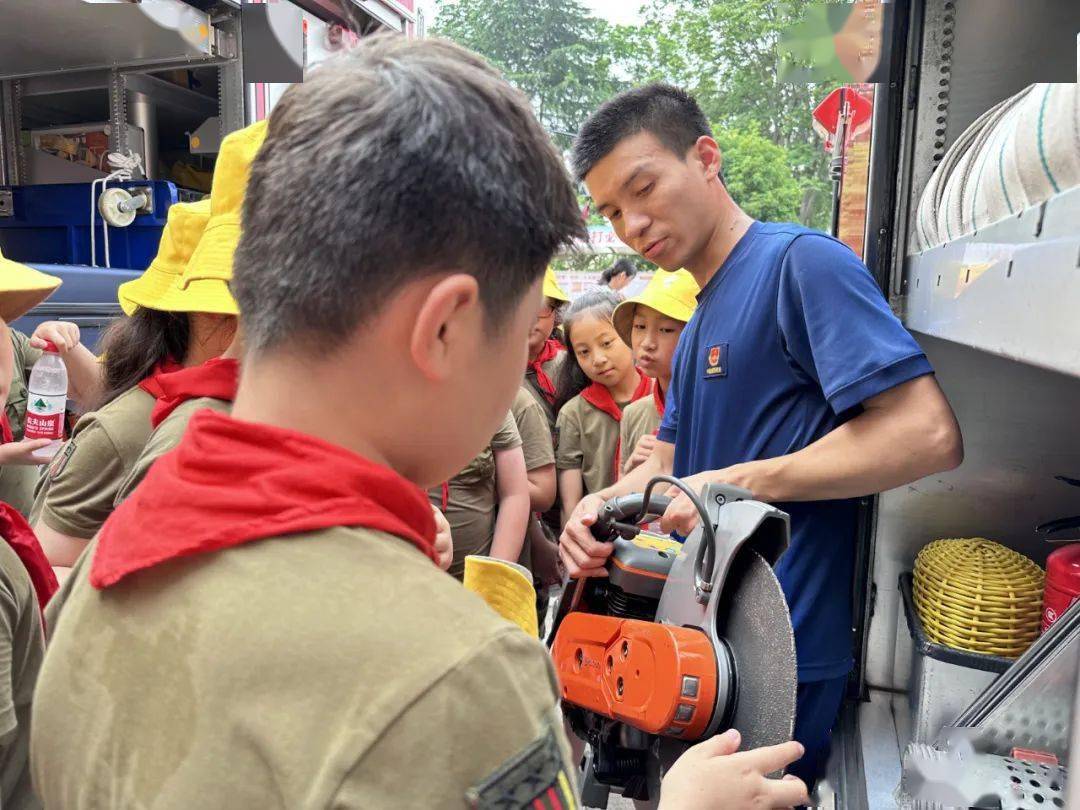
(23,577)
(21,289)
(184,227)
(650,323)
(202,291)
(204,285)
(176,326)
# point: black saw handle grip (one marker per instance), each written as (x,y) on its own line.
(620,516)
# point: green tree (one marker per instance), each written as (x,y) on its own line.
(725,53)
(757,172)
(553,50)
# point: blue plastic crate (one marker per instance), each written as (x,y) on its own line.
(52,226)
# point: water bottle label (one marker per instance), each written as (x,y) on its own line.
(45,416)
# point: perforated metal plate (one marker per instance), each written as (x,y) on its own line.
(937,780)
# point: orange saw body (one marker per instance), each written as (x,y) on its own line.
(679,642)
(659,679)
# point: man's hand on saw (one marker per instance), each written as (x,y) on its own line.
(581,553)
(682,516)
(711,775)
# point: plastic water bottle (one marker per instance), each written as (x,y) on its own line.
(47,402)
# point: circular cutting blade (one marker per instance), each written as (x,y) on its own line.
(753,619)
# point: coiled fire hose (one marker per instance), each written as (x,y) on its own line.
(976,595)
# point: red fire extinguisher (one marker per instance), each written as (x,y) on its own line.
(1062,583)
(1062,572)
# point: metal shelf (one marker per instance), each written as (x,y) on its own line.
(157,90)
(1011,289)
(54,36)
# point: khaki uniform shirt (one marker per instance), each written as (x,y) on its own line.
(639,419)
(17,481)
(586,439)
(22,647)
(551,368)
(164,438)
(532,424)
(473,503)
(334,669)
(77,490)
(536,444)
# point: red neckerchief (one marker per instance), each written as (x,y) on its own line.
(600,398)
(151,385)
(18,534)
(215,378)
(660,401)
(230,482)
(5,427)
(550,351)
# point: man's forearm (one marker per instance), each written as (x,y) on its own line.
(878,450)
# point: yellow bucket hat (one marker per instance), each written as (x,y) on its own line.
(22,288)
(183,228)
(671,294)
(506,587)
(552,288)
(204,285)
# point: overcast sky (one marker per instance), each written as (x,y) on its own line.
(616,11)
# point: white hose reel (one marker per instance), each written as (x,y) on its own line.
(117,206)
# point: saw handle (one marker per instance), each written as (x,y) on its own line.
(620,516)
(706,556)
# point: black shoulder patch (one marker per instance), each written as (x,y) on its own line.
(533,779)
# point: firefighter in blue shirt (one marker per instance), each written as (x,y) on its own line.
(793,379)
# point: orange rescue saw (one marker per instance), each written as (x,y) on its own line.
(679,642)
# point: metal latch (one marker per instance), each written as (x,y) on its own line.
(148,194)
(7,203)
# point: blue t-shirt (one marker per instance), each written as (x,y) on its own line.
(789,337)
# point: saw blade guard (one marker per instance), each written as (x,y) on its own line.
(723,585)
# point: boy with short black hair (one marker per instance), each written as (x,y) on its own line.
(261,622)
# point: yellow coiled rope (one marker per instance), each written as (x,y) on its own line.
(979,596)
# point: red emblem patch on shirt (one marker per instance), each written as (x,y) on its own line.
(716,361)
